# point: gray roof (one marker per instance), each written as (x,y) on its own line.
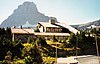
(22,31)
(68,27)
(47,24)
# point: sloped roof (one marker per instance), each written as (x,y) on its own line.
(47,24)
(22,31)
(68,27)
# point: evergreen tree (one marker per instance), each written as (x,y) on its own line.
(31,54)
(72,40)
(41,41)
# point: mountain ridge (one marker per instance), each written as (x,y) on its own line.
(25,12)
(86,25)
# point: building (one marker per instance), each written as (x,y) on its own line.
(22,34)
(54,28)
(47,30)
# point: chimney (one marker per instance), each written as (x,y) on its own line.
(21,27)
(52,20)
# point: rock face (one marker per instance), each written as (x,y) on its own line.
(25,12)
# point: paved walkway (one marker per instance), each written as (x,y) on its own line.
(88,60)
(85,59)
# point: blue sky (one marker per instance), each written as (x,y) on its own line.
(68,11)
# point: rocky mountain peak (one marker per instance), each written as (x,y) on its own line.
(26,7)
(25,12)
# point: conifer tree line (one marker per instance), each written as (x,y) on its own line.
(30,54)
(11,52)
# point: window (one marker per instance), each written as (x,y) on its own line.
(60,30)
(48,29)
(56,30)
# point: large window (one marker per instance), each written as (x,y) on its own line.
(56,30)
